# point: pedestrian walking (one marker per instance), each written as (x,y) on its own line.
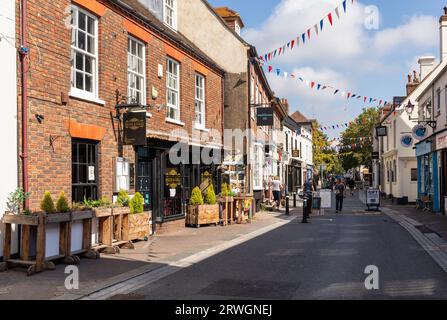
(351,185)
(308,189)
(276,187)
(339,195)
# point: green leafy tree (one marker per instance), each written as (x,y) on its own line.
(47,204)
(62,203)
(322,153)
(360,154)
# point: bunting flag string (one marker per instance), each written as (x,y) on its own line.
(300,40)
(319,87)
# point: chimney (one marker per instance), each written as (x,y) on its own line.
(427,64)
(412,83)
(443,35)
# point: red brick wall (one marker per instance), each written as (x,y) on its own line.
(49,76)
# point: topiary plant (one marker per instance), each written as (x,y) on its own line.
(196,197)
(62,203)
(123,199)
(47,204)
(210,196)
(137,204)
(225,192)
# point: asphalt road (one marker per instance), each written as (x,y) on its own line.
(325,259)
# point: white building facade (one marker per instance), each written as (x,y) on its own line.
(8,121)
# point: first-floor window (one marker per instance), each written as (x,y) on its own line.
(257,166)
(84,170)
(200,102)
(136,84)
(173,89)
(414,175)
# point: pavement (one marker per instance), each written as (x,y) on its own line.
(160,251)
(274,257)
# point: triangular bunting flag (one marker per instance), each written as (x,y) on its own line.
(329,16)
(321,24)
(292,44)
(316,29)
(336,91)
(337,12)
(344,6)
(308,33)
(303,36)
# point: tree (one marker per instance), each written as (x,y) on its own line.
(322,153)
(359,152)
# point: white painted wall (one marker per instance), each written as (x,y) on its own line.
(8,120)
(201,26)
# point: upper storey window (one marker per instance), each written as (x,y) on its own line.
(170,13)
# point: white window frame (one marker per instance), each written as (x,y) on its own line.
(237,28)
(200,101)
(140,76)
(258,151)
(74,91)
(174,90)
(174,16)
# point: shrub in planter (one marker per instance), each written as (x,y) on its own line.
(123,199)
(16,200)
(210,196)
(62,203)
(47,204)
(225,191)
(137,204)
(196,197)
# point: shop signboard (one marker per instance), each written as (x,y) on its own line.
(423,148)
(441,141)
(295,153)
(420,132)
(381,131)
(264,117)
(173,179)
(135,129)
(373,198)
(406,141)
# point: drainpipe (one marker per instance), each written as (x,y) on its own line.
(23,51)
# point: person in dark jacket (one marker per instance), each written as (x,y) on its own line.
(339,195)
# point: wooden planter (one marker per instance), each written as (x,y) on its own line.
(203,215)
(227,210)
(53,239)
(104,221)
(136,226)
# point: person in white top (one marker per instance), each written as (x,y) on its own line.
(276,187)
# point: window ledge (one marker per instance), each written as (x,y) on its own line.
(176,122)
(85,97)
(203,129)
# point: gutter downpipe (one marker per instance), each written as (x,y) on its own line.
(23,51)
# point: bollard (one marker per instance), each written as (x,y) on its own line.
(287,206)
(305,210)
(294,200)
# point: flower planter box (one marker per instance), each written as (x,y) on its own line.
(227,210)
(103,231)
(46,238)
(203,215)
(136,226)
(118,216)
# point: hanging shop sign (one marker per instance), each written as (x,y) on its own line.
(296,153)
(381,131)
(135,129)
(173,179)
(264,117)
(420,132)
(406,141)
(376,155)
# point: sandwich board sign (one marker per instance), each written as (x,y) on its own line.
(373,199)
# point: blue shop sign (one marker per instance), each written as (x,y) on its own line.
(423,148)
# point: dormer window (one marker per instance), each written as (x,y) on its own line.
(237,28)
(170,13)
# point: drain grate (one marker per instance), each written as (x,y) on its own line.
(252,289)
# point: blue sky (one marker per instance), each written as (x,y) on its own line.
(374,63)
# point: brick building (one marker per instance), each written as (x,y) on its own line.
(88,56)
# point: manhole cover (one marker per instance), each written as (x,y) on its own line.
(252,289)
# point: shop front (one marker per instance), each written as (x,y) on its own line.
(428,183)
(166,184)
(441,144)
(294,176)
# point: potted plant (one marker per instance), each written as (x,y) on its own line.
(136,225)
(203,210)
